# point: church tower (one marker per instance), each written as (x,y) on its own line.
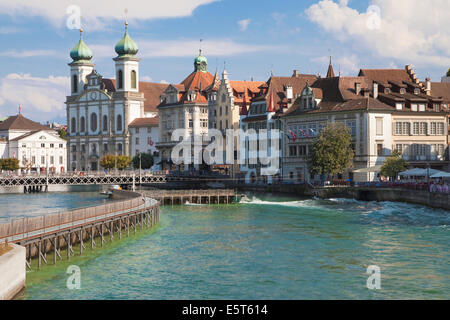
(127,65)
(80,67)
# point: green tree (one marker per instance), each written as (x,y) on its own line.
(332,152)
(146,161)
(123,162)
(108,161)
(63,134)
(393,165)
(9,164)
(448,73)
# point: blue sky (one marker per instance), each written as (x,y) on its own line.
(252,37)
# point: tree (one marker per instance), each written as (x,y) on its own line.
(393,165)
(332,152)
(63,134)
(9,164)
(123,162)
(448,73)
(146,160)
(108,161)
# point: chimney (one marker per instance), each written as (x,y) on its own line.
(375,90)
(296,74)
(357,88)
(289,92)
(428,86)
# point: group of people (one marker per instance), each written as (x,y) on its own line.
(439,186)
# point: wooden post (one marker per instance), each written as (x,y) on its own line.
(120,228)
(111,231)
(39,254)
(69,244)
(54,250)
(101,233)
(92,237)
(81,241)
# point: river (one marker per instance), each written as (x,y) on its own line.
(266,247)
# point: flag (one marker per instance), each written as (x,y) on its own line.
(271,107)
(313,132)
(303,133)
(20,109)
(294,136)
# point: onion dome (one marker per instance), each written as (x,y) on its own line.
(81,52)
(126,46)
(201,63)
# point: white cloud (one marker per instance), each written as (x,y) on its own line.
(163,82)
(28,53)
(184,48)
(410,31)
(96,13)
(41,98)
(243,24)
(146,78)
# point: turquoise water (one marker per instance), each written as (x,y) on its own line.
(19,205)
(271,248)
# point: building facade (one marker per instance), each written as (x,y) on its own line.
(145,135)
(99,111)
(38,148)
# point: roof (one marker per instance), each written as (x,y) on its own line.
(145,122)
(384,76)
(278,85)
(19,122)
(151,90)
(441,89)
(244,87)
(29,134)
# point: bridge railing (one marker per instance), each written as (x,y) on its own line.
(125,173)
(23,228)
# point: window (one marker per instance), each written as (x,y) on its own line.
(292,151)
(133,79)
(137,140)
(119,148)
(75,84)
(414,107)
(224,98)
(191,123)
(421,107)
(398,128)
(94,121)
(24,145)
(73,125)
(137,130)
(52,160)
(399,106)
(42,160)
(149,130)
(61,160)
(379,149)
(379,126)
(42,145)
(74,148)
(105,123)
(120,79)
(423,128)
(119,123)
(82,124)
(52,145)
(61,145)
(137,151)
(83,148)
(415,128)
(406,128)
(437,107)
(105,147)
(440,128)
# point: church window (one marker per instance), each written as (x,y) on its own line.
(119,123)
(120,79)
(105,123)
(73,125)
(94,122)
(82,124)
(75,84)
(133,79)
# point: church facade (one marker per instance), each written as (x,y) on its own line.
(99,111)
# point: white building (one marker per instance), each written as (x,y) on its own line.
(145,135)
(99,111)
(37,147)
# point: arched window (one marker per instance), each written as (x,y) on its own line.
(73,125)
(105,123)
(74,83)
(119,123)
(82,124)
(133,79)
(93,122)
(120,79)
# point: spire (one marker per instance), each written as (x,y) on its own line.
(200,63)
(271,107)
(330,73)
(244,111)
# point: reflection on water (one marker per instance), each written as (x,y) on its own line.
(271,248)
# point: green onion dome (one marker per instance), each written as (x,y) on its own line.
(201,63)
(81,52)
(126,46)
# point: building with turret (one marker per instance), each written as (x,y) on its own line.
(99,110)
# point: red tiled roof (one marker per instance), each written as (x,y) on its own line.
(383,76)
(152,92)
(19,122)
(246,87)
(145,122)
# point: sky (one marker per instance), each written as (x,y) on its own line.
(250,38)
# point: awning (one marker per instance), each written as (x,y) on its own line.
(441,174)
(418,172)
(376,168)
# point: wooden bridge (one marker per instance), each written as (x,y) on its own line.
(52,233)
(210,196)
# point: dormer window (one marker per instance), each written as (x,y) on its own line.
(386,90)
(416,91)
(402,90)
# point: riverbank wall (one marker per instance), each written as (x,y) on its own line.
(420,197)
(12,272)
